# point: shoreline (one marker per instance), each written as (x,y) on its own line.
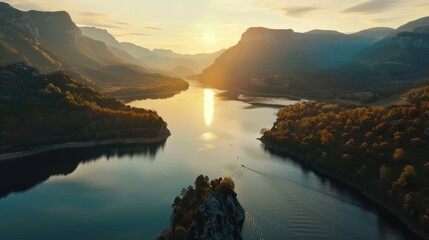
(94,143)
(379,102)
(231,90)
(143,96)
(335,176)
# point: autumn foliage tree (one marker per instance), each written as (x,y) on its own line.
(383,149)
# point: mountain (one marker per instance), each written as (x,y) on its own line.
(377,33)
(163,60)
(363,66)
(262,52)
(403,54)
(39,109)
(52,41)
(100,35)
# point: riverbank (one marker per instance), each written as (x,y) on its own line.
(128,97)
(347,181)
(131,94)
(233,94)
(94,143)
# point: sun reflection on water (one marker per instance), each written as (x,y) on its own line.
(208,106)
(208,136)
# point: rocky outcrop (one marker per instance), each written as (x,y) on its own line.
(209,211)
(265,34)
(220,217)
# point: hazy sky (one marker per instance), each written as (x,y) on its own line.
(192,26)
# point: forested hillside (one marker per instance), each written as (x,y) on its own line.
(40,109)
(382,151)
(419,93)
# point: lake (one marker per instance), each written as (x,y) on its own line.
(126,192)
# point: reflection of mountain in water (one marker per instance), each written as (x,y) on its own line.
(22,174)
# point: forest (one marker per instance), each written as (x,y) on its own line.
(419,93)
(383,150)
(38,108)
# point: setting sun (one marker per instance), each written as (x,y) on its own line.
(209,37)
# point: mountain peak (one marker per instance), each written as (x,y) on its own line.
(164,52)
(58,18)
(100,34)
(4,5)
(7,11)
(265,34)
(376,32)
(324,32)
(411,26)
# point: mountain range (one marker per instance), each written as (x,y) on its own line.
(161,60)
(51,41)
(318,63)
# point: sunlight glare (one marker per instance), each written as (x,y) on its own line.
(208,106)
(208,136)
(209,37)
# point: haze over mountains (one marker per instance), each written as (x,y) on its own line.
(318,63)
(284,61)
(403,54)
(164,60)
(51,41)
(261,51)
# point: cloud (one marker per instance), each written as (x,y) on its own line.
(287,10)
(382,20)
(371,6)
(131,34)
(92,14)
(101,22)
(298,11)
(154,28)
(97,19)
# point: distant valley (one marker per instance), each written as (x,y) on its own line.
(162,60)
(51,41)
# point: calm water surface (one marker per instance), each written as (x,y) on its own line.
(126,192)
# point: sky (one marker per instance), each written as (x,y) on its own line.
(195,26)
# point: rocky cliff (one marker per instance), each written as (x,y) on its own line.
(209,211)
(219,217)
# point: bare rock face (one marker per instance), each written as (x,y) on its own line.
(208,211)
(266,35)
(220,218)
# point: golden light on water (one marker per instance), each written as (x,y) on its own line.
(208,136)
(208,106)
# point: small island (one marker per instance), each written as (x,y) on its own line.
(209,211)
(382,151)
(40,112)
